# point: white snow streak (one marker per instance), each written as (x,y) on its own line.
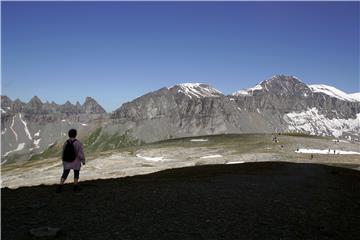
(37,134)
(36,142)
(11,127)
(199,140)
(325,151)
(25,128)
(213,156)
(156,159)
(235,162)
(20,147)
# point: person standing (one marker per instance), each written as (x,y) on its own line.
(72,157)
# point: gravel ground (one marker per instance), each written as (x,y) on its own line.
(268,200)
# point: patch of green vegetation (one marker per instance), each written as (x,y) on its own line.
(53,151)
(92,138)
(100,141)
(97,144)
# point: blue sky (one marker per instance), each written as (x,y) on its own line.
(116,51)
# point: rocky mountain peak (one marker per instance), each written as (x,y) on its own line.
(5,102)
(285,84)
(35,100)
(92,106)
(17,105)
(34,105)
(278,85)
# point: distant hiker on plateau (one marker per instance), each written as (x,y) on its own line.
(72,157)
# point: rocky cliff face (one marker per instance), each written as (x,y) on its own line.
(90,106)
(274,105)
(30,128)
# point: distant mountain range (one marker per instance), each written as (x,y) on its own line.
(279,104)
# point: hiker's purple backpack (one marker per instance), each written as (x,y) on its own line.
(69,153)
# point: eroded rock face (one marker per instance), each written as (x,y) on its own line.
(30,128)
(90,106)
(196,109)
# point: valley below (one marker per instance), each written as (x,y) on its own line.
(186,152)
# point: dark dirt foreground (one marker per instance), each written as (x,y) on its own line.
(269,200)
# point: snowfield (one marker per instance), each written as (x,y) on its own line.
(197,90)
(333,92)
(325,151)
(311,121)
(199,140)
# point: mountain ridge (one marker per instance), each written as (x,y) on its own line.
(278,104)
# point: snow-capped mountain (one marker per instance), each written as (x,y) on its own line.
(196,90)
(279,104)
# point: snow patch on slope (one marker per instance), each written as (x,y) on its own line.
(156,159)
(355,96)
(325,151)
(331,91)
(37,134)
(311,121)
(213,156)
(199,140)
(12,129)
(27,132)
(248,91)
(20,147)
(197,90)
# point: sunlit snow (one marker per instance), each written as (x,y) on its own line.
(196,90)
(213,156)
(27,132)
(199,140)
(235,162)
(311,121)
(331,91)
(19,147)
(12,129)
(37,134)
(325,151)
(150,158)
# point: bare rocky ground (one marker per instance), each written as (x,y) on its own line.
(222,149)
(263,200)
